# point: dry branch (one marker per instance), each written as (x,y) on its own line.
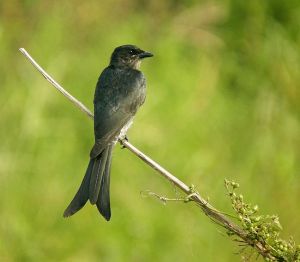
(193,195)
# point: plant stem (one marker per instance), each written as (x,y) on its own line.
(209,210)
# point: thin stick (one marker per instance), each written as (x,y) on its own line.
(209,210)
(125,143)
(76,102)
(156,166)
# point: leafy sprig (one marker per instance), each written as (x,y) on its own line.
(264,229)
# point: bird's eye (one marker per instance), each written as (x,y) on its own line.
(132,52)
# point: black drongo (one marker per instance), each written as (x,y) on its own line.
(120,91)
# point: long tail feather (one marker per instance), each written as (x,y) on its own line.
(96,176)
(94,186)
(103,202)
(82,194)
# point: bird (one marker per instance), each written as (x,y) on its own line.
(120,91)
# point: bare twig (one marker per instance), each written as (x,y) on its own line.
(76,102)
(209,210)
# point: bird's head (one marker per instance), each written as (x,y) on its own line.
(128,56)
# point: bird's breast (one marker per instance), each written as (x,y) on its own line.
(134,93)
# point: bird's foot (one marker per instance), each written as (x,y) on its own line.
(122,139)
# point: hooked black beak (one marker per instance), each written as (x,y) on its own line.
(145,54)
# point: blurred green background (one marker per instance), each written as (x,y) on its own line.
(223,102)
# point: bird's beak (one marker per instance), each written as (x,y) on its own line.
(145,54)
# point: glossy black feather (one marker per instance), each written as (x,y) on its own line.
(103,202)
(96,176)
(82,194)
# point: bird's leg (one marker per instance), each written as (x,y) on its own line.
(124,138)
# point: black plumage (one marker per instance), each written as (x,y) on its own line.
(120,91)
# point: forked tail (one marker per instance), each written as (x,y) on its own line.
(94,186)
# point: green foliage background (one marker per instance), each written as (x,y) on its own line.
(223,102)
